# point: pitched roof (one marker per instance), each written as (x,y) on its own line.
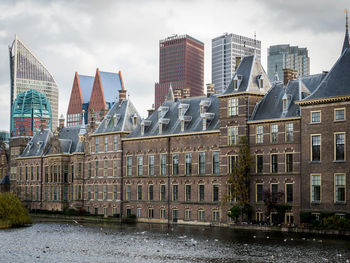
(119,118)
(194,121)
(86,83)
(248,72)
(37,144)
(111,83)
(337,81)
(271,106)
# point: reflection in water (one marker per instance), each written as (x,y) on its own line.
(51,242)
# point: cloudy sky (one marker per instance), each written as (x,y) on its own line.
(69,36)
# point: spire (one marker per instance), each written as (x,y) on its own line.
(346,40)
(170,94)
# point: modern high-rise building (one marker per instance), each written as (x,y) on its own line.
(281,57)
(28,72)
(227,51)
(181,65)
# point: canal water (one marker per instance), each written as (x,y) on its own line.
(75,242)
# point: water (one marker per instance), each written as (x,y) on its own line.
(58,242)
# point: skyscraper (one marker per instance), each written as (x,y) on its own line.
(226,51)
(181,65)
(27,72)
(281,57)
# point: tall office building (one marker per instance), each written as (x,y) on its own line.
(27,73)
(181,65)
(281,57)
(226,51)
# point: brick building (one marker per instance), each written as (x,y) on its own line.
(173,166)
(181,65)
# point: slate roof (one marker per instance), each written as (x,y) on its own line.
(337,81)
(86,84)
(174,125)
(122,114)
(111,83)
(5,180)
(271,106)
(37,144)
(69,137)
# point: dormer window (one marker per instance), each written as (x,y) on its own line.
(144,123)
(284,104)
(182,125)
(237,81)
(39,144)
(142,129)
(260,80)
(116,119)
(30,144)
(134,119)
(201,109)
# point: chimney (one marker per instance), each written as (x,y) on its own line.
(61,122)
(289,74)
(150,111)
(122,92)
(210,89)
(177,94)
(186,93)
(238,61)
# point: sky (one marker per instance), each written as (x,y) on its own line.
(79,36)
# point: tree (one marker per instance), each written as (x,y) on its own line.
(234,212)
(240,176)
(271,201)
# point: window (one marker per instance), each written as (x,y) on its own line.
(188,168)
(289,132)
(115,143)
(139,165)
(274,133)
(216,215)
(201,162)
(163,164)
(232,134)
(289,162)
(175,164)
(339,114)
(259,216)
(150,213)
(96,144)
(175,215)
(201,215)
(215,193)
(129,165)
(259,134)
(315,188)
(89,170)
(289,218)
(315,148)
(315,116)
(139,212)
(162,192)
(162,213)
(151,165)
(139,193)
(289,193)
(232,163)
(259,193)
(96,168)
(216,168)
(89,192)
(232,106)
(105,168)
(150,192)
(105,192)
(339,146)
(259,163)
(231,195)
(274,163)
(340,188)
(96,192)
(284,104)
(175,192)
(201,192)
(114,192)
(187,215)
(187,192)
(274,192)
(114,167)
(128,193)
(106,144)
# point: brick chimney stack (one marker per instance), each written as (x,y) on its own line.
(122,92)
(210,89)
(289,74)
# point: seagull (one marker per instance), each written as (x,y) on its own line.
(75,221)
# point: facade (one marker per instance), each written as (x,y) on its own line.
(181,65)
(31,110)
(174,166)
(93,96)
(227,51)
(27,73)
(287,57)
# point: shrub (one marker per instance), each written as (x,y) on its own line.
(234,212)
(12,212)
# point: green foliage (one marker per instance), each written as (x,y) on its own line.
(131,216)
(325,221)
(234,212)
(12,212)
